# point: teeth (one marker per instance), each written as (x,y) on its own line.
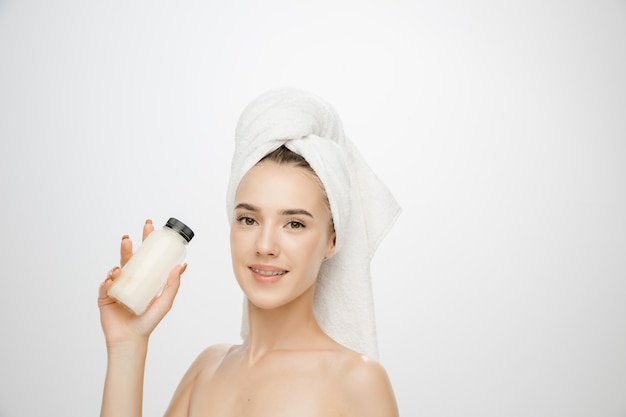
(268,273)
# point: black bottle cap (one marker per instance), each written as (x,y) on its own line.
(180,227)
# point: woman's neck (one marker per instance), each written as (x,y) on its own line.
(288,327)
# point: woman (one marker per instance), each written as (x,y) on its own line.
(295,246)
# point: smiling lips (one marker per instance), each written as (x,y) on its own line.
(267,274)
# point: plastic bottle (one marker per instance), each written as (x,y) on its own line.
(145,274)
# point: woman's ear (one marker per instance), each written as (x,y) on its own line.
(331,246)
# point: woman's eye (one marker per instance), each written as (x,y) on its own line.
(295,225)
(246,221)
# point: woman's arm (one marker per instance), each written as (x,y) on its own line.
(123,386)
(127,337)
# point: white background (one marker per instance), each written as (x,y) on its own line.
(499,126)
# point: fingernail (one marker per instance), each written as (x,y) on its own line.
(183,268)
(148,221)
(125,237)
(113,271)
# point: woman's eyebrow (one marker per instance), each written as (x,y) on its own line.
(295,212)
(246,206)
(288,212)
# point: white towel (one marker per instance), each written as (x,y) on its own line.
(362,207)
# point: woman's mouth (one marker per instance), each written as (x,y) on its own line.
(267,275)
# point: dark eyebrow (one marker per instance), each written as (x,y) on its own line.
(288,212)
(246,206)
(295,212)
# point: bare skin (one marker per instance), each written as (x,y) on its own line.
(287,366)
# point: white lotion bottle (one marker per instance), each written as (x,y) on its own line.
(146,272)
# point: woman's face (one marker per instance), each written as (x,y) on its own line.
(280,233)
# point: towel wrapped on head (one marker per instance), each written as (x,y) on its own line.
(362,207)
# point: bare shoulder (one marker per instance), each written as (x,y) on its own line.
(366,386)
(207,361)
(210,357)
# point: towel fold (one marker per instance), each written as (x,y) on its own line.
(362,207)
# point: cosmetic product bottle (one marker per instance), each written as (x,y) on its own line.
(146,272)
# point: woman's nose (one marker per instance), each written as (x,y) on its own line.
(267,242)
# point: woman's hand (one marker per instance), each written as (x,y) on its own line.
(121,326)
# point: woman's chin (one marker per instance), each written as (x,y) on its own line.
(270,300)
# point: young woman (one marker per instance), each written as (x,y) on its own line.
(284,237)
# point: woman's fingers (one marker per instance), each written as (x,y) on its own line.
(163,303)
(148,228)
(172,285)
(103,298)
(126,250)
